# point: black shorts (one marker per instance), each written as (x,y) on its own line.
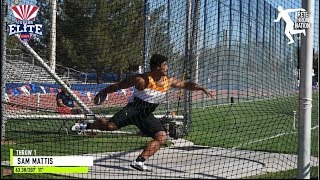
(139,113)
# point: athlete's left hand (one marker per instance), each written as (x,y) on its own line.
(207,93)
(100,98)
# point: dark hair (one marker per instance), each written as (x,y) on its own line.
(156,61)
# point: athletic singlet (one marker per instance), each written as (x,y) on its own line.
(153,93)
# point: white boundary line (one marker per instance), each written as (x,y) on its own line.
(272,137)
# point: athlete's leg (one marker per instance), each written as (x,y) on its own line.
(154,145)
(121,119)
(103,124)
(151,148)
(154,128)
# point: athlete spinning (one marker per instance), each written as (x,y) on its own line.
(150,90)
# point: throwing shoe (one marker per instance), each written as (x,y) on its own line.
(139,166)
(75,127)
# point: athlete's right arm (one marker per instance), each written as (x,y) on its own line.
(138,81)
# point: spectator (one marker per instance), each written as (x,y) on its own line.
(65,103)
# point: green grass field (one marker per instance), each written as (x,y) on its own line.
(264,125)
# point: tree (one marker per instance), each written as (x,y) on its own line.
(100,35)
(41,43)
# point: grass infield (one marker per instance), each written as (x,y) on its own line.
(264,125)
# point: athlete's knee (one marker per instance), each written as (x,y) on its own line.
(104,124)
(161,137)
(155,144)
(110,126)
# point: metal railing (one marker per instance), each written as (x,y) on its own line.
(71,74)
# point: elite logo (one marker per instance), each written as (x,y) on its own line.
(25,15)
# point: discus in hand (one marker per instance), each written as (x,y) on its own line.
(100,98)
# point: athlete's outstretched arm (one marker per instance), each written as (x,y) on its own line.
(179,84)
(137,81)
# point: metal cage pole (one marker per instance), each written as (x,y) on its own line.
(305,96)
(186,68)
(168,51)
(145,35)
(196,39)
(205,68)
(53,35)
(4,12)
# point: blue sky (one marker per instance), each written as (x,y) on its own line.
(178,10)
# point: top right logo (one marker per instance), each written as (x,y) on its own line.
(302,22)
